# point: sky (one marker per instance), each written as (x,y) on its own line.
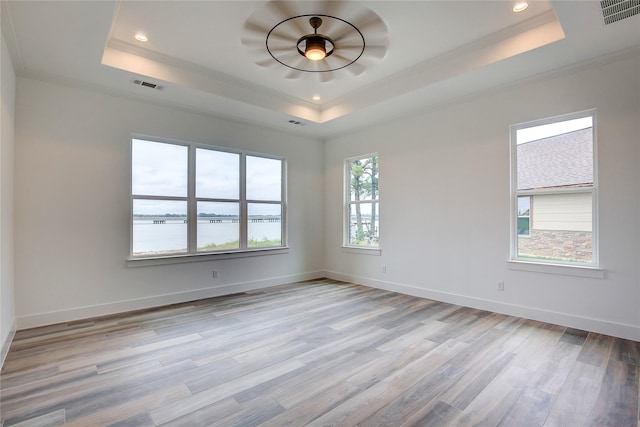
(538,132)
(160,169)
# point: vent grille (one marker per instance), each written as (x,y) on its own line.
(616,10)
(149,84)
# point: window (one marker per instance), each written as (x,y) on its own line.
(362,205)
(554,190)
(188,199)
(524,215)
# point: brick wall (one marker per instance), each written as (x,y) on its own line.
(561,245)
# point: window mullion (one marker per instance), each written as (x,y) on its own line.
(192,203)
(244,216)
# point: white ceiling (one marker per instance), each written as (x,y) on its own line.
(436,51)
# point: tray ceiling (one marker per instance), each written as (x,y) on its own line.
(435,51)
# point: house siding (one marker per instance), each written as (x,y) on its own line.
(562,212)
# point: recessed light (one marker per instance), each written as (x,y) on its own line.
(141,37)
(316,98)
(519,6)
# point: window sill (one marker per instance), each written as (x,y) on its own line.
(566,270)
(362,251)
(184,258)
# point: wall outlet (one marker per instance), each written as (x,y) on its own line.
(500,286)
(384,268)
(215,274)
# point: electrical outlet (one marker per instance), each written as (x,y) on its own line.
(384,268)
(215,274)
(500,286)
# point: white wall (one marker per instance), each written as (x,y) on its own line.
(72,206)
(444,188)
(7,99)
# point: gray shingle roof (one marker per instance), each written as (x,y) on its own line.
(558,161)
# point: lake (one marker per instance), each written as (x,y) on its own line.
(171,236)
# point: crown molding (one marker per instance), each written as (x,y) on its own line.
(525,36)
(131,58)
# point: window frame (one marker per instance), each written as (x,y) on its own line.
(192,253)
(514,259)
(346,222)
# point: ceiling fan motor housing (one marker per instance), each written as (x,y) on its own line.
(315,46)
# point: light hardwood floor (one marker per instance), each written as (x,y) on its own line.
(318,353)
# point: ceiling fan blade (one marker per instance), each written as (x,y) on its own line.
(293,74)
(283,10)
(288,58)
(350,50)
(366,21)
(280,36)
(326,77)
(320,66)
(253,42)
(255,28)
(370,22)
(375,51)
(355,68)
(282,49)
(267,62)
(331,7)
(337,61)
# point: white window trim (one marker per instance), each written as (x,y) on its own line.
(142,261)
(561,269)
(192,254)
(346,220)
(554,267)
(362,250)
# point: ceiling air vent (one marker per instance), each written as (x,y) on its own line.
(616,10)
(149,84)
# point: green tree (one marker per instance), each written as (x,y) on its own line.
(358,189)
(364,186)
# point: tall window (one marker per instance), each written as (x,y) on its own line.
(189,199)
(362,205)
(554,190)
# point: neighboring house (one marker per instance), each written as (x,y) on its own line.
(556,225)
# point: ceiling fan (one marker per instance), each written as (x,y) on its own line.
(315,38)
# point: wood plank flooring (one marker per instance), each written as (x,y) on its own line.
(318,353)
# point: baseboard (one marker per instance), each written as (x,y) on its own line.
(578,322)
(584,323)
(7,343)
(50,318)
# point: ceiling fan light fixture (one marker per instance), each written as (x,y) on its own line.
(316,49)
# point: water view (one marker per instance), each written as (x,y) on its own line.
(166,235)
